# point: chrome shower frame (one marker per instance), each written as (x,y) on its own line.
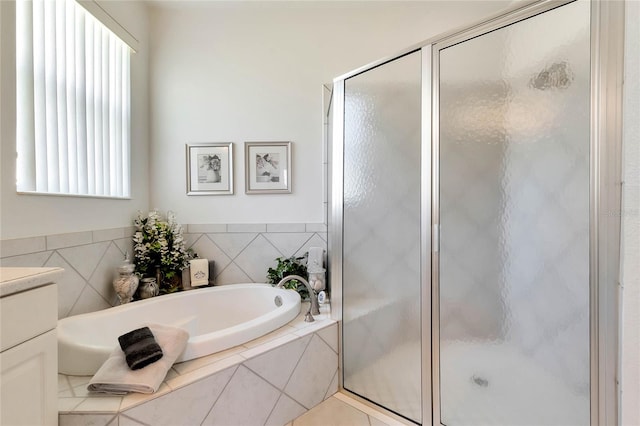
(607,39)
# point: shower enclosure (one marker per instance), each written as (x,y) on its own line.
(472,253)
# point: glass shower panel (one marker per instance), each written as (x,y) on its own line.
(381,239)
(514,214)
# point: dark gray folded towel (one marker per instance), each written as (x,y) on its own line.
(140,348)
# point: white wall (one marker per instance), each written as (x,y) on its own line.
(253,71)
(631,221)
(31,215)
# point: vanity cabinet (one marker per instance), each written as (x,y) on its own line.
(29,357)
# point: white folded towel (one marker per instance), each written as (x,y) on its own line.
(115,376)
(199,272)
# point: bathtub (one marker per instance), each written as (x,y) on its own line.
(216,318)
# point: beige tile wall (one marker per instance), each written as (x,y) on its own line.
(242,253)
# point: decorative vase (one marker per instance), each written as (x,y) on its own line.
(127,283)
(175,283)
(149,288)
(170,284)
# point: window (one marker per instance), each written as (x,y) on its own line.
(73,97)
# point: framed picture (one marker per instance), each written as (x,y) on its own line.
(267,167)
(210,169)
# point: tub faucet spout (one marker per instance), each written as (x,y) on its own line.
(313,309)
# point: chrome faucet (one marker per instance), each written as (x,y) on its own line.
(313,309)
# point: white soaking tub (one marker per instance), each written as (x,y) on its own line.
(216,318)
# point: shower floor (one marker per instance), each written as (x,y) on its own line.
(496,385)
(386,383)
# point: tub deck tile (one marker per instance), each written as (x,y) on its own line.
(75,401)
(318,324)
(186,406)
(93,419)
(127,421)
(67,393)
(76,381)
(103,404)
(172,373)
(67,405)
(133,399)
(194,364)
(208,370)
(270,366)
(299,324)
(330,336)
(64,388)
(282,331)
(267,346)
(82,392)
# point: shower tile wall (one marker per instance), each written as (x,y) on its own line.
(242,253)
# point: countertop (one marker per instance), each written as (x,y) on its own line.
(16,280)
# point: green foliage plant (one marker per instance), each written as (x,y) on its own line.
(290,266)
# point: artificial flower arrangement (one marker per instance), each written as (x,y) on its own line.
(159,249)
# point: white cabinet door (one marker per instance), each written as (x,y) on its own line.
(28,383)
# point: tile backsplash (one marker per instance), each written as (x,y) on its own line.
(242,253)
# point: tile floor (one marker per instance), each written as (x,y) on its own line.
(342,410)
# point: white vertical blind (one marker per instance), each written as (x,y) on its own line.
(73,95)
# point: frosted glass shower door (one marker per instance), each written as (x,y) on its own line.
(514,140)
(381,236)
